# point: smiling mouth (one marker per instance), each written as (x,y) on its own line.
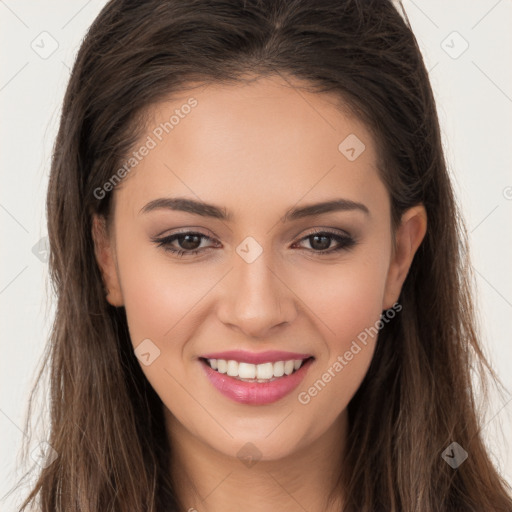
(247,372)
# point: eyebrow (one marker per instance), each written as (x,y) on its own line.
(210,210)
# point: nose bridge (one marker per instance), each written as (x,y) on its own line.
(256,299)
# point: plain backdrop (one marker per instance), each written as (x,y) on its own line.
(467,47)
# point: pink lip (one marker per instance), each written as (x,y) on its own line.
(256,393)
(271,356)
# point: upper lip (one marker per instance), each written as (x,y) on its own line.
(270,356)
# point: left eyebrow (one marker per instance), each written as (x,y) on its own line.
(325,207)
(210,210)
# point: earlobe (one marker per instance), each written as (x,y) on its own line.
(105,258)
(409,236)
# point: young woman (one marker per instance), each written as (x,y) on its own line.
(261,270)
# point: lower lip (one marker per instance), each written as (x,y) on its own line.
(256,393)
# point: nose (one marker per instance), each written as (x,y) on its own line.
(256,299)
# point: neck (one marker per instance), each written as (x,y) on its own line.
(207,480)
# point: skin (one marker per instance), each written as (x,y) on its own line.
(256,150)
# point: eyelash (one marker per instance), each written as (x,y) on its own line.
(345,243)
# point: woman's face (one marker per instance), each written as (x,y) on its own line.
(261,282)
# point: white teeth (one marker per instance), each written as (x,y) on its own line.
(222,365)
(246,371)
(279,369)
(264,371)
(232,368)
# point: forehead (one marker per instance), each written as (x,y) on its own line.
(252,146)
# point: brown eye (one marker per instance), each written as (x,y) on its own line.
(320,242)
(188,243)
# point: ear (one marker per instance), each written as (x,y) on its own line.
(104,251)
(409,236)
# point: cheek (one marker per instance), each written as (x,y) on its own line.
(345,298)
(158,299)
(152,305)
(347,302)
(158,295)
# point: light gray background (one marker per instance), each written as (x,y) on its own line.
(474,94)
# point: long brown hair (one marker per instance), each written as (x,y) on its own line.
(107,423)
